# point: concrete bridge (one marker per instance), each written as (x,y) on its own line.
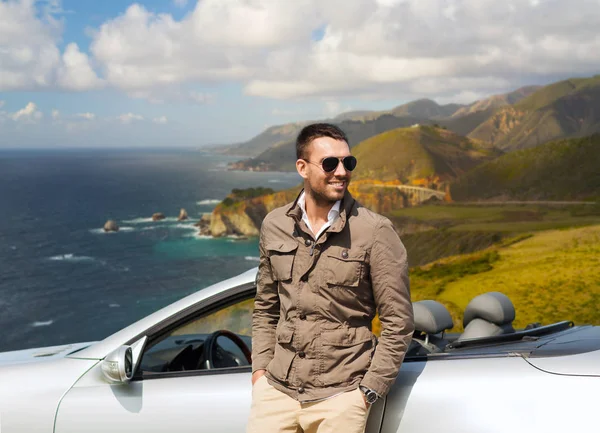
(418,193)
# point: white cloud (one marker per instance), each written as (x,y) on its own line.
(86,116)
(29,55)
(128,118)
(142,51)
(28,114)
(364,48)
(1,104)
(76,72)
(55,114)
(162,120)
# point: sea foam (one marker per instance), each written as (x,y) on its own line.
(208,201)
(42,323)
(71,258)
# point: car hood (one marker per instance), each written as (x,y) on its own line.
(39,354)
(575,353)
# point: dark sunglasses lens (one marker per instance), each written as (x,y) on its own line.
(330,164)
(349,163)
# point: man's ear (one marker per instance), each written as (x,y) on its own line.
(302,167)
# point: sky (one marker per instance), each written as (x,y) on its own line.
(116,73)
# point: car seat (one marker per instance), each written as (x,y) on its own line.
(431,318)
(488,315)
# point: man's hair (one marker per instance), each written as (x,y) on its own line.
(317,130)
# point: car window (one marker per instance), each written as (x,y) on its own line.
(219,339)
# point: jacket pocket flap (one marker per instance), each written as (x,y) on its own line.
(281,246)
(284,335)
(281,255)
(345,254)
(346,337)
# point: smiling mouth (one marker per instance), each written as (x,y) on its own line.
(337,184)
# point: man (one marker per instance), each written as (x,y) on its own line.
(327,265)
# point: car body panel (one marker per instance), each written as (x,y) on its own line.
(580,364)
(185,404)
(503,394)
(30,393)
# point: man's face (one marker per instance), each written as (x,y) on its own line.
(325,187)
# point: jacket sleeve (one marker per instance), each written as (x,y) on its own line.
(266,312)
(391,291)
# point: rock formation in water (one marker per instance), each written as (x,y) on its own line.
(111,226)
(158,216)
(182,215)
(204,224)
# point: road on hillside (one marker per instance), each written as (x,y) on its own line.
(549,202)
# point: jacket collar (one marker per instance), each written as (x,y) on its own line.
(348,201)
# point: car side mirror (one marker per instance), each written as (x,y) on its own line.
(117,367)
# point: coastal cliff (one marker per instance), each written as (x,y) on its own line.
(243,217)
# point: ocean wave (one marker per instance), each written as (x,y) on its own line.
(252,258)
(197,235)
(138,221)
(113,305)
(71,258)
(208,201)
(149,220)
(42,323)
(103,232)
(189,226)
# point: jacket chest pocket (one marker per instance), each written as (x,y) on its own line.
(281,256)
(344,267)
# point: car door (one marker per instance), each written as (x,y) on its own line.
(181,400)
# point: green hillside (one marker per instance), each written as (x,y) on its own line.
(561,170)
(411,154)
(551,276)
(561,110)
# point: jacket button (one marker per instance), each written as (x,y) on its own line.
(345,254)
(302,316)
(301,390)
(307,242)
(301,354)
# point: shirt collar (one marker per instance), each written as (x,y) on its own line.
(331,216)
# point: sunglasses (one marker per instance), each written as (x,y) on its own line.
(331,163)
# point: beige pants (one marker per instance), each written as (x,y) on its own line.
(275,412)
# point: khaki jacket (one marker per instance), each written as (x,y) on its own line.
(315,302)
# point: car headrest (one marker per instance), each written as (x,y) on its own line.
(431,317)
(495,307)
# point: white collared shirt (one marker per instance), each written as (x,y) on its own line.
(333,215)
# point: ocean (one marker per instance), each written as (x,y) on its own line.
(63,280)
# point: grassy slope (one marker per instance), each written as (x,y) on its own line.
(563,170)
(551,276)
(407,154)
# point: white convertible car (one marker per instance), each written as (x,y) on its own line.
(185,368)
